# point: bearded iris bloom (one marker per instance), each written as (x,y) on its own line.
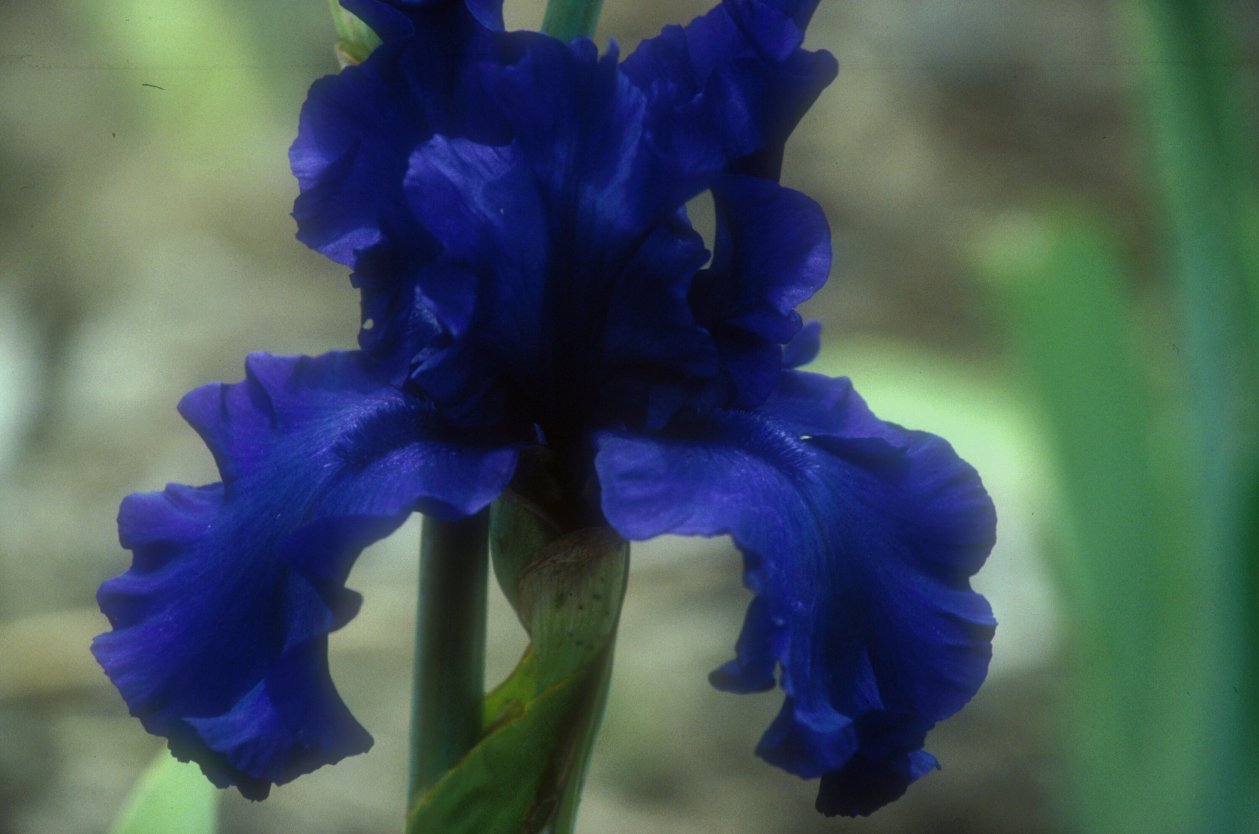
(513,210)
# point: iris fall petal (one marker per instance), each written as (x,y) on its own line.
(859,540)
(220,626)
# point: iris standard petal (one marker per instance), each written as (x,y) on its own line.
(737,73)
(566,263)
(356,134)
(772,252)
(220,626)
(859,539)
(484,206)
(613,167)
(804,346)
(358,128)
(523,308)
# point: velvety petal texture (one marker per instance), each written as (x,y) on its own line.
(772,252)
(568,271)
(514,211)
(221,624)
(859,540)
(739,72)
(566,265)
(357,132)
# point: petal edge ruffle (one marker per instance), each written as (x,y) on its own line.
(220,626)
(859,539)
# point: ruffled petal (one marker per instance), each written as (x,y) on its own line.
(358,128)
(484,206)
(772,252)
(859,540)
(356,134)
(220,626)
(804,346)
(566,262)
(737,73)
(612,169)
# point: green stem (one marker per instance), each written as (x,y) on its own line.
(568,19)
(449,681)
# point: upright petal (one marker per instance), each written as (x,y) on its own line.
(358,129)
(220,627)
(533,322)
(859,539)
(740,72)
(611,169)
(566,262)
(772,252)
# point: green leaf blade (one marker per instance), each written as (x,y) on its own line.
(501,786)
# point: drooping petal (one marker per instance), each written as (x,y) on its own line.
(220,626)
(739,72)
(859,539)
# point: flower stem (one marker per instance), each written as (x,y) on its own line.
(449,678)
(568,19)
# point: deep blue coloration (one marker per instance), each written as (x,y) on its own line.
(513,210)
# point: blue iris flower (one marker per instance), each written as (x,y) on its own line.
(513,211)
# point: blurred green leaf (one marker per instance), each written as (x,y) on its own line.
(170,796)
(519,530)
(1128,590)
(1198,97)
